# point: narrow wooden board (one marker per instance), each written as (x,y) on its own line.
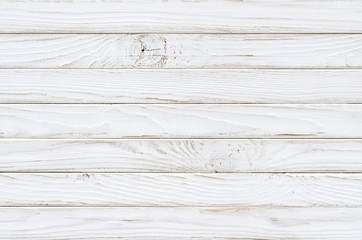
(180,189)
(180,223)
(204,155)
(180,51)
(249,16)
(180,121)
(180,86)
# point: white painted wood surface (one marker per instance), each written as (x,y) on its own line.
(180,86)
(180,189)
(248,16)
(180,223)
(197,155)
(210,119)
(181,50)
(180,121)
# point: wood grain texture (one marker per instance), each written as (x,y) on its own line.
(180,86)
(180,51)
(204,155)
(180,189)
(249,16)
(201,119)
(180,223)
(180,121)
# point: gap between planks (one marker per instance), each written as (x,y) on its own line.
(186,33)
(203,173)
(198,68)
(291,69)
(179,138)
(170,103)
(177,207)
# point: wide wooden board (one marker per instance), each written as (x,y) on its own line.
(184,155)
(248,16)
(180,121)
(180,86)
(180,50)
(180,223)
(180,189)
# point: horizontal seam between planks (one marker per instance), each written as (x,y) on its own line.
(187,69)
(187,173)
(163,139)
(188,138)
(202,173)
(183,68)
(184,33)
(160,104)
(184,103)
(251,207)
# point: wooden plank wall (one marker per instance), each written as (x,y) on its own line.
(177,119)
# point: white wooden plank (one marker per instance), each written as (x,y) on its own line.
(180,189)
(180,223)
(180,121)
(180,86)
(180,51)
(241,155)
(249,16)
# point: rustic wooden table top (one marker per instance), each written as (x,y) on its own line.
(212,119)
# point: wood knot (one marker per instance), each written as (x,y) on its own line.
(148,50)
